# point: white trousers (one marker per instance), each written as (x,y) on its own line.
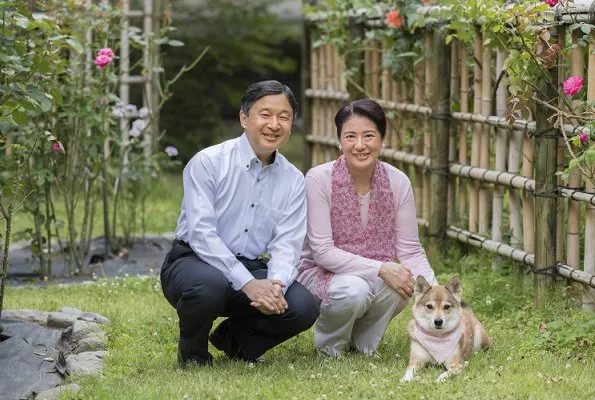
(357,315)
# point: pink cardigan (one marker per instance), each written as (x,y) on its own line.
(319,249)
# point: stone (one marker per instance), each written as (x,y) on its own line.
(94,317)
(86,363)
(71,310)
(54,393)
(89,343)
(80,329)
(61,319)
(39,317)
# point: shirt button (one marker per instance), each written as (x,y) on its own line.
(239,254)
(247,166)
(245,230)
(258,180)
(251,205)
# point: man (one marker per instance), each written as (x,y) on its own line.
(242,200)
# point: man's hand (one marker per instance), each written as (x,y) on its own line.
(266,295)
(398,277)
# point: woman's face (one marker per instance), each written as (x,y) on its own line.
(361,143)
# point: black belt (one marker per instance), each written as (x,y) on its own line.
(181,242)
(240,258)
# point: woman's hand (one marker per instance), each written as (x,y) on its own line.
(398,277)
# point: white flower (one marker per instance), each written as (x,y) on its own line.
(144,113)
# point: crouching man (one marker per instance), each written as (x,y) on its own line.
(242,199)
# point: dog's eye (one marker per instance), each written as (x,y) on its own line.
(447,307)
(429,306)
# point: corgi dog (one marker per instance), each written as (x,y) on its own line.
(443,331)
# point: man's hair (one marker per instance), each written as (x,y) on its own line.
(258,90)
(367,108)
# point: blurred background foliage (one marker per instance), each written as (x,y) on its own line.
(249,40)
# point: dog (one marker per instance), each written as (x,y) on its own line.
(443,331)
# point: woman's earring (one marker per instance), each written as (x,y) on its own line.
(340,148)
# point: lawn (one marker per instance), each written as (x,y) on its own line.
(537,354)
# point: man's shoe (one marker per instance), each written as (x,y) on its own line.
(187,362)
(225,343)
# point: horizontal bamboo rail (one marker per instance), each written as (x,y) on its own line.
(466,171)
(516,254)
(500,122)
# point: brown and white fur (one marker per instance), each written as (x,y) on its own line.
(437,310)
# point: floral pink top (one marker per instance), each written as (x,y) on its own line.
(319,250)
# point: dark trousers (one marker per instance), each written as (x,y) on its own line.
(201,293)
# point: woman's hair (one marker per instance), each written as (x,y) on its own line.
(367,108)
(258,90)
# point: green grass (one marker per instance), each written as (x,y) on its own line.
(543,353)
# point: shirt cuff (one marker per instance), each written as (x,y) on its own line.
(283,272)
(239,276)
(373,270)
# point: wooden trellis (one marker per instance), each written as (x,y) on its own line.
(506,182)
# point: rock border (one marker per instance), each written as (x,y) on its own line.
(83,341)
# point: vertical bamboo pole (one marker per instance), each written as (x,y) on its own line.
(427,137)
(306,82)
(386,95)
(561,202)
(577,66)
(440,103)
(589,258)
(150,133)
(546,165)
(476,140)
(374,69)
(463,183)
(500,164)
(315,72)
(124,68)
(455,92)
(417,142)
(528,205)
(484,158)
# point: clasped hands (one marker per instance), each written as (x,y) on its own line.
(398,277)
(266,295)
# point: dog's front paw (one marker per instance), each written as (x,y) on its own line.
(443,377)
(408,377)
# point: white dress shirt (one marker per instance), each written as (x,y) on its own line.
(233,206)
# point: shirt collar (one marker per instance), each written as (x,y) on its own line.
(249,156)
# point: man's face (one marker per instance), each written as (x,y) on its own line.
(268,125)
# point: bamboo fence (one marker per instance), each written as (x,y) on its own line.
(498,179)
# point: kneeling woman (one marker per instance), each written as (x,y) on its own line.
(361,219)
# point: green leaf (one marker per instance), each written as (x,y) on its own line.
(175,43)
(75,45)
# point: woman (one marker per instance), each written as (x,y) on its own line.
(361,219)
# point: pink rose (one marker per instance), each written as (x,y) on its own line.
(102,61)
(583,137)
(573,85)
(106,51)
(394,19)
(57,147)
(551,3)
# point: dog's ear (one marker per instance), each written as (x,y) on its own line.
(421,286)
(454,287)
